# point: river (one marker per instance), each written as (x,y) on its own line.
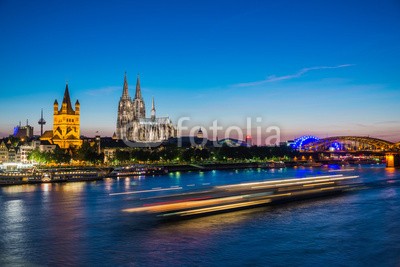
(80,224)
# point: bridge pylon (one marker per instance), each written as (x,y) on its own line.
(392,160)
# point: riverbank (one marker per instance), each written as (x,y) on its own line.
(52,176)
(77,174)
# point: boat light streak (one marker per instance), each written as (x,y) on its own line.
(146,191)
(340,178)
(218,208)
(281,181)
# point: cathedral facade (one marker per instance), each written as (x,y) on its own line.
(132,123)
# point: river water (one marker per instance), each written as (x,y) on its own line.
(80,224)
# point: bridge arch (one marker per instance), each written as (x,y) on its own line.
(397,146)
(302,141)
(350,143)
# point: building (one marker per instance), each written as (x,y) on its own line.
(109,146)
(3,152)
(24,151)
(23,132)
(66,124)
(132,123)
(13,155)
(46,146)
(19,152)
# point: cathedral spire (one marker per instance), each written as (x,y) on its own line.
(125,92)
(67,100)
(153,110)
(138,94)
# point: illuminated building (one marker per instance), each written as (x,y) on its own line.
(23,132)
(66,124)
(24,152)
(13,155)
(132,123)
(3,152)
(19,152)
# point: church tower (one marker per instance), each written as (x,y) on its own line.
(139,110)
(125,112)
(66,124)
(153,111)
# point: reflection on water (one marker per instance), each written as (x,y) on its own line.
(81,224)
(391,172)
(13,220)
(19,188)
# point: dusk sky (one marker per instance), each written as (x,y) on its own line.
(310,67)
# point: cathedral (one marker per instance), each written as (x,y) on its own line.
(66,124)
(132,123)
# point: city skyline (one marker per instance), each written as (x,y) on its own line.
(334,73)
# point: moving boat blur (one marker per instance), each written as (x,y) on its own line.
(238,196)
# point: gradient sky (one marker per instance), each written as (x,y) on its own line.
(310,67)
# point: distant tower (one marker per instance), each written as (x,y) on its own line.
(66,124)
(200,134)
(125,112)
(41,122)
(139,111)
(153,111)
(249,140)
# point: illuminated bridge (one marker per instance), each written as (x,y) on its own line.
(397,146)
(351,144)
(345,143)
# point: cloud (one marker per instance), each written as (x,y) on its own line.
(362,125)
(298,74)
(103,91)
(387,122)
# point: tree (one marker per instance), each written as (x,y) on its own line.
(60,156)
(88,153)
(39,157)
(122,155)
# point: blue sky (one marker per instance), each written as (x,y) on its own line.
(315,67)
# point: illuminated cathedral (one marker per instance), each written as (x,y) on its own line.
(132,123)
(66,124)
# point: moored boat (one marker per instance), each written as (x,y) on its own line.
(137,171)
(311,164)
(272,165)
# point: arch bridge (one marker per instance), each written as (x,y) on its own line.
(396,146)
(351,143)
